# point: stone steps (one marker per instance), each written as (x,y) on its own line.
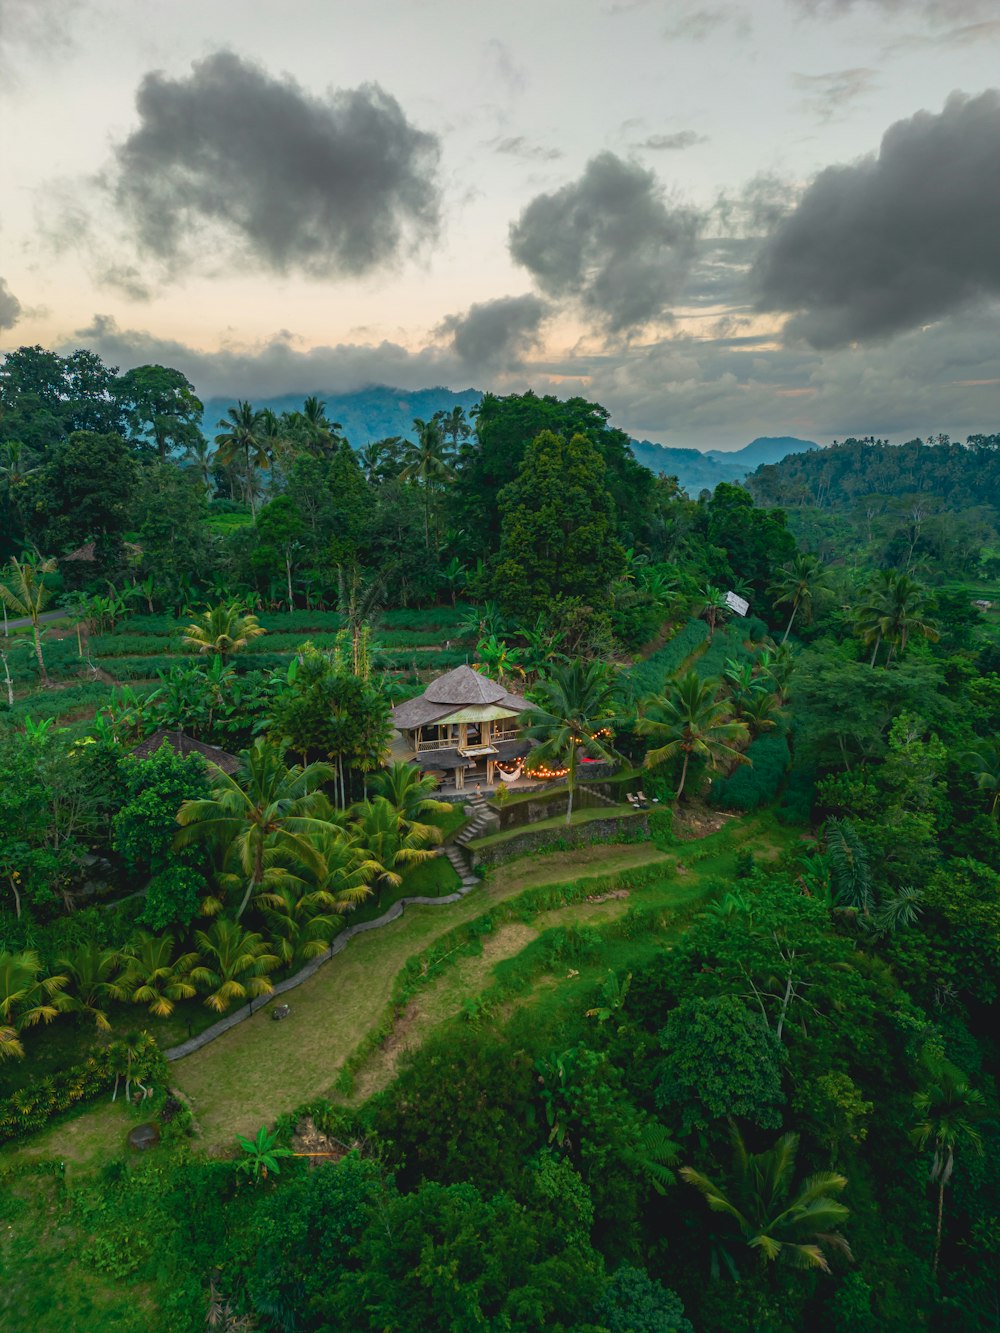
(460,862)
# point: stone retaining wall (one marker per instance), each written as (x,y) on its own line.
(630,827)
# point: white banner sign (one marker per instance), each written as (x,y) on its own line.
(737,603)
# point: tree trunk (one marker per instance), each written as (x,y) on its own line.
(8,679)
(571,782)
(937,1237)
(288,571)
(256,878)
(17,896)
(878,645)
(795,607)
(38,653)
(684,771)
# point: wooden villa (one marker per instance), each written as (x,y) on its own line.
(461,729)
(185,745)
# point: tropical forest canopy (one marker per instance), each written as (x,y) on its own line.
(733,1066)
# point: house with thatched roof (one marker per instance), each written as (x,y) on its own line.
(461,728)
(183,744)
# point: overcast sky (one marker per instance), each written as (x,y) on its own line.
(719,219)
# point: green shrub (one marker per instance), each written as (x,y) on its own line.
(755,784)
(30,1109)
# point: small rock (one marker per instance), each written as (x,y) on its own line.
(281,1011)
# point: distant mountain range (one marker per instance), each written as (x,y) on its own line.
(697,471)
(379,411)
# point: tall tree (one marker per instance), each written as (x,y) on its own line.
(240,438)
(797,585)
(162,407)
(574,710)
(948,1109)
(426,463)
(558,536)
(688,722)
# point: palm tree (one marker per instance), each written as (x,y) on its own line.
(454,426)
(359,599)
(689,722)
(152,976)
(775,1216)
(712,607)
(235,964)
(777,664)
(575,709)
(263,818)
(201,457)
(948,1108)
(298,932)
(760,712)
(796,585)
(390,842)
(125,1055)
(425,462)
(89,970)
(409,794)
(26,998)
(344,870)
(223,630)
(895,606)
(241,434)
(23,592)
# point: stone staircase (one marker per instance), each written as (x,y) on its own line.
(480,818)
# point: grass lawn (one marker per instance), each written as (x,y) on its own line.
(261,1068)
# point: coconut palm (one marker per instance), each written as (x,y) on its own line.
(499,659)
(760,712)
(241,437)
(26,998)
(948,1109)
(796,585)
(128,1060)
(90,971)
(893,609)
(712,607)
(263,819)
(390,843)
(454,426)
(23,592)
(222,630)
(153,976)
(425,462)
(779,1218)
(776,664)
(409,793)
(298,931)
(688,722)
(343,871)
(235,964)
(575,709)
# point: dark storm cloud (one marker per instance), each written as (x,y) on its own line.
(660,143)
(895,240)
(10,306)
(828,94)
(610,241)
(496,333)
(519,146)
(340,184)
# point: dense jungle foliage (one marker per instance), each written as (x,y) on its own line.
(751,1084)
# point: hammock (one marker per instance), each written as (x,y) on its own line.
(511,777)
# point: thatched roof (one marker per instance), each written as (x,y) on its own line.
(457,690)
(464,686)
(184,745)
